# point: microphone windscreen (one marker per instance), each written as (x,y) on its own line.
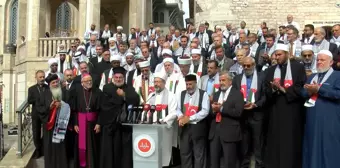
(147,107)
(158,107)
(153,108)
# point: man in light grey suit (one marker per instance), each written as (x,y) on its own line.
(210,82)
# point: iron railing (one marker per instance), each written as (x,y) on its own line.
(25,134)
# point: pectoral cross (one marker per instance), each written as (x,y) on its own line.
(88,109)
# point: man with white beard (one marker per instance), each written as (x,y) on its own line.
(55,116)
(166,53)
(113,48)
(166,103)
(172,76)
(321,147)
(198,66)
(184,64)
(144,84)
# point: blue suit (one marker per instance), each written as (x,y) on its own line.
(321,145)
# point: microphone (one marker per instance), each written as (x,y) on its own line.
(159,113)
(129,113)
(146,109)
(139,112)
(150,114)
(133,119)
(154,94)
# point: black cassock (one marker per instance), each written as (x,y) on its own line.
(85,105)
(116,142)
(55,154)
(286,120)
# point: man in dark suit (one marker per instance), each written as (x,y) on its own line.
(131,75)
(308,35)
(84,68)
(251,84)
(225,127)
(34,92)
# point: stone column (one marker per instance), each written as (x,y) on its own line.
(81,19)
(138,11)
(33,27)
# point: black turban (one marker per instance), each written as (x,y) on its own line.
(190,77)
(51,77)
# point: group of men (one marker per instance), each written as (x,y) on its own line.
(224,103)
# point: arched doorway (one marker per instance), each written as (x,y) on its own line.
(13,22)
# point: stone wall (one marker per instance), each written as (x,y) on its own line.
(274,12)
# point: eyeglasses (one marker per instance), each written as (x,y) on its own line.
(247,65)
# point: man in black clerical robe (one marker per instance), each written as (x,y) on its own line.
(55,154)
(85,105)
(34,93)
(116,143)
(283,84)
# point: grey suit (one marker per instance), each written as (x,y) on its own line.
(227,64)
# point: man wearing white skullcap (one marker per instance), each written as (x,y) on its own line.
(184,64)
(172,75)
(166,53)
(120,31)
(113,46)
(107,74)
(284,82)
(144,83)
(128,64)
(308,59)
(53,68)
(321,144)
(166,104)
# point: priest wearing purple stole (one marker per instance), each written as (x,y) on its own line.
(250,83)
(85,102)
(321,147)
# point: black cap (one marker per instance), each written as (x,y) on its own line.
(190,77)
(51,77)
(120,70)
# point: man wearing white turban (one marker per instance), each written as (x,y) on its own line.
(53,69)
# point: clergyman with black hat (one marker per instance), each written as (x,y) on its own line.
(55,115)
(192,112)
(117,96)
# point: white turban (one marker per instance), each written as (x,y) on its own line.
(166,51)
(282,47)
(119,27)
(52,61)
(307,47)
(160,75)
(168,60)
(184,61)
(115,58)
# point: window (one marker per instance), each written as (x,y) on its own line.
(63,16)
(13,22)
(161,17)
(155,17)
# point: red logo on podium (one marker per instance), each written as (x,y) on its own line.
(144,145)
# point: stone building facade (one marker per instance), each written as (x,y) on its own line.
(274,12)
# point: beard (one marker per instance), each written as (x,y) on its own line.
(158,89)
(196,63)
(224,88)
(322,70)
(191,91)
(119,84)
(248,72)
(56,93)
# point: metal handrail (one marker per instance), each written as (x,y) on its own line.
(25,135)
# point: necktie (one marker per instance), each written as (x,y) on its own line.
(68,86)
(143,90)
(308,40)
(218,114)
(320,77)
(291,49)
(183,52)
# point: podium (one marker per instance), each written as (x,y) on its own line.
(151,145)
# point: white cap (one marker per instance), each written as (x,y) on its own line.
(167,51)
(326,52)
(129,54)
(120,27)
(144,64)
(112,39)
(218,27)
(184,61)
(196,51)
(160,75)
(62,52)
(52,61)
(168,60)
(115,58)
(282,47)
(307,47)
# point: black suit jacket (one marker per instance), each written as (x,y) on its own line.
(130,77)
(67,93)
(260,98)
(230,125)
(333,48)
(34,94)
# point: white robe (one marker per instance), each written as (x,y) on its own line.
(174,79)
(160,68)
